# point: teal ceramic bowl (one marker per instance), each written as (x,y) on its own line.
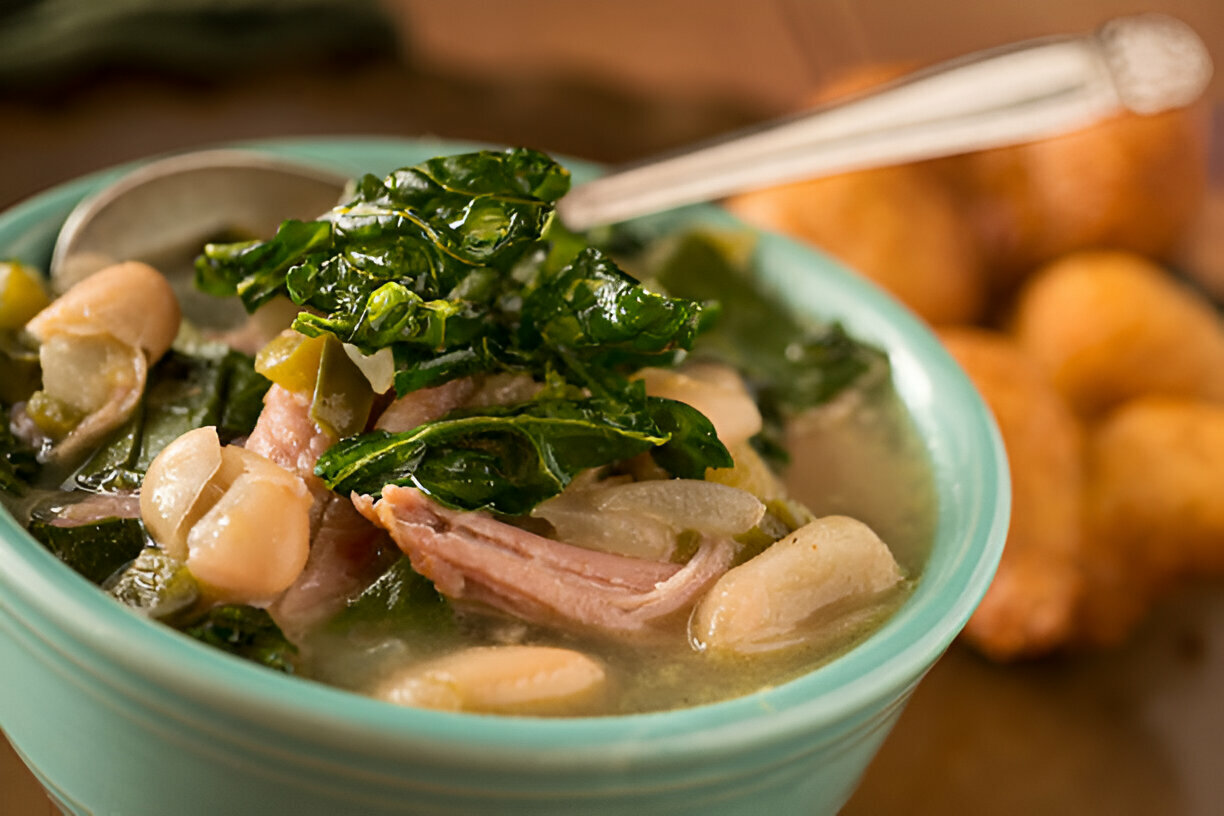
(120,716)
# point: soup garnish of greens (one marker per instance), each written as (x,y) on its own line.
(460,458)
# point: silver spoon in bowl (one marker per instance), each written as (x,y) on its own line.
(165,211)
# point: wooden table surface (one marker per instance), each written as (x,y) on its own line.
(1134,731)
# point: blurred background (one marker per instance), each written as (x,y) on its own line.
(85,84)
(1130,729)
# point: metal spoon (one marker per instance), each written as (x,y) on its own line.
(1146,64)
(165,211)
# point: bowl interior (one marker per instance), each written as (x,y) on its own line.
(963,445)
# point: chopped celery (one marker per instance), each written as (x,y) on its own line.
(53,416)
(291,361)
(342,394)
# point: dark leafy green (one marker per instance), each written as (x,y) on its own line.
(184,392)
(113,465)
(413,258)
(588,323)
(18,461)
(247,632)
(446,264)
(792,363)
(692,444)
(243,389)
(96,550)
(450,265)
(402,600)
(510,458)
(595,318)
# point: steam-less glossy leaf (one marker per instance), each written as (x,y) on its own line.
(692,444)
(426,230)
(400,600)
(594,310)
(95,550)
(508,459)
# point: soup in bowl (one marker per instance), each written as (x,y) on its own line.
(547,536)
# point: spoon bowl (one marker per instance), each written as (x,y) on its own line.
(164,211)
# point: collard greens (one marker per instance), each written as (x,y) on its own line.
(452,265)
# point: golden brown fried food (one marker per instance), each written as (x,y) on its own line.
(1202,257)
(898,226)
(1131,182)
(1030,607)
(1110,326)
(1153,507)
(1102,325)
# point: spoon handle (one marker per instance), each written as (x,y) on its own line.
(1037,88)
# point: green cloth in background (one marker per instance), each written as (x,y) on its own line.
(45,41)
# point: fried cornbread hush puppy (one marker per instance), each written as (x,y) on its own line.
(1155,466)
(1130,182)
(1110,326)
(899,226)
(1030,607)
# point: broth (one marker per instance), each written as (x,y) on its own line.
(858,456)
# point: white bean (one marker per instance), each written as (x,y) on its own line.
(172,487)
(131,302)
(96,343)
(833,565)
(240,521)
(253,543)
(537,680)
(99,378)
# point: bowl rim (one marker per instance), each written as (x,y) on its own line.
(886,665)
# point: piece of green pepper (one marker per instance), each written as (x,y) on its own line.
(342,396)
(291,361)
